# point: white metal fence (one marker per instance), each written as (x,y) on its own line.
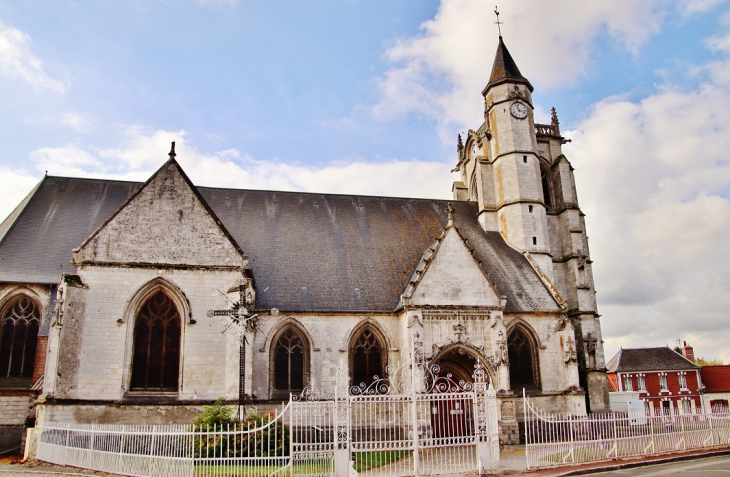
(258,447)
(562,439)
(384,429)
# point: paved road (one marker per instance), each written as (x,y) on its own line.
(707,466)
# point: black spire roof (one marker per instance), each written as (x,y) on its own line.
(505,69)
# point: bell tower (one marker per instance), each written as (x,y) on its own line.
(524,187)
(500,165)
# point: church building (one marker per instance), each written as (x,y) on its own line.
(120,302)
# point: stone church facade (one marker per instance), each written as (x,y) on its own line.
(115,296)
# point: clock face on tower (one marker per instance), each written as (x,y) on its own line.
(518,110)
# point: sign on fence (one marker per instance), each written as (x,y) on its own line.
(637,413)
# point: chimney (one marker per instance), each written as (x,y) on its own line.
(688,352)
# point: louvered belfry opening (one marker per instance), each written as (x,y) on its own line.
(523,366)
(368,358)
(289,361)
(19,338)
(156,360)
(546,188)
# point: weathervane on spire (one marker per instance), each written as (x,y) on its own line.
(496,12)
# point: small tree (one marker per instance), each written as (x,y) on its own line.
(708,362)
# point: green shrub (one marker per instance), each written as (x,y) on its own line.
(220,435)
(216,415)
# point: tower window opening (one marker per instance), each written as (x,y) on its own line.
(530,208)
(524,159)
(534,240)
(545,187)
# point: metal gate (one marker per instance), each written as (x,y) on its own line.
(404,424)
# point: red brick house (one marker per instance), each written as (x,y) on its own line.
(717,387)
(664,378)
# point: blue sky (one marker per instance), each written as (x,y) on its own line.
(367,97)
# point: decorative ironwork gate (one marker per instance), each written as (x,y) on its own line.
(407,423)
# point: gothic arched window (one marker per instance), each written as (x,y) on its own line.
(289,366)
(523,362)
(546,195)
(156,360)
(368,357)
(19,338)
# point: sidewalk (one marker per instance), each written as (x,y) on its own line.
(13,466)
(512,462)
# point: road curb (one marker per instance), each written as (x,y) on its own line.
(644,463)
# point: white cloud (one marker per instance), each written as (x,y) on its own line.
(654,180)
(16,61)
(144,151)
(218,3)
(15,185)
(437,72)
(690,7)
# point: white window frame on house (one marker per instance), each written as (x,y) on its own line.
(628,384)
(641,382)
(663,382)
(686,406)
(682,380)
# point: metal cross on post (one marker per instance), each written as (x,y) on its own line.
(240,323)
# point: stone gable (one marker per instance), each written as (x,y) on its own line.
(165,223)
(453,277)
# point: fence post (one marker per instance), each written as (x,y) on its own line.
(712,431)
(414,400)
(527,428)
(483,426)
(291,434)
(615,436)
(572,437)
(651,428)
(65,448)
(684,434)
(342,424)
(152,451)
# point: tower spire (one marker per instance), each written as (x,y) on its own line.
(505,69)
(172,151)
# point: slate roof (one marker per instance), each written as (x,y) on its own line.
(648,359)
(716,378)
(505,69)
(318,252)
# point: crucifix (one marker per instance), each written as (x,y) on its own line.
(239,322)
(498,22)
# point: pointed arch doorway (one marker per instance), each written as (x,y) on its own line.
(452,412)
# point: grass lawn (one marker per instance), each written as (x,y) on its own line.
(370,460)
(363,461)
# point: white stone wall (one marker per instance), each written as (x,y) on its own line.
(93,355)
(14,409)
(330,336)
